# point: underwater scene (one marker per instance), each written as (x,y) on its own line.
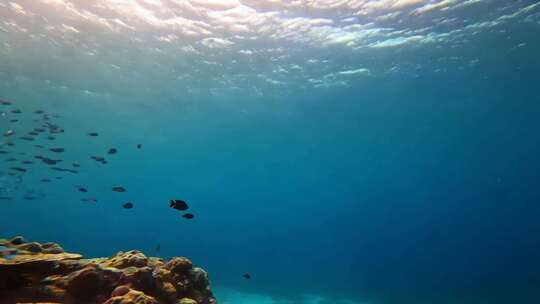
(270,151)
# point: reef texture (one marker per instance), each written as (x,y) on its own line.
(31,272)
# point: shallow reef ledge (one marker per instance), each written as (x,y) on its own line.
(31,272)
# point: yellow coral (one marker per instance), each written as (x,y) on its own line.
(186,301)
(132,297)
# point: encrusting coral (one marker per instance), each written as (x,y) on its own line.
(31,272)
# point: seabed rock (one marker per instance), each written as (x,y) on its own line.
(31,272)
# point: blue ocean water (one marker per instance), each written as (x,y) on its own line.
(338,151)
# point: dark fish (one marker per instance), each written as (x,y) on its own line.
(38,112)
(112,151)
(93,134)
(54,128)
(64,170)
(127,206)
(5,198)
(11,159)
(51,138)
(39,146)
(118,189)
(246,276)
(49,161)
(57,150)
(39,130)
(10,144)
(39,157)
(45,180)
(27,162)
(27,138)
(33,133)
(14,120)
(76,164)
(139,146)
(9,133)
(5,102)
(99,159)
(18,169)
(189,216)
(58,177)
(16,111)
(82,189)
(179,205)
(3,152)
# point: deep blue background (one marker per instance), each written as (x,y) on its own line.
(397,190)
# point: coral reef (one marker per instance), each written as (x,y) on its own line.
(31,272)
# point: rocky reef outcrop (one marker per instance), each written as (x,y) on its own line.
(31,272)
